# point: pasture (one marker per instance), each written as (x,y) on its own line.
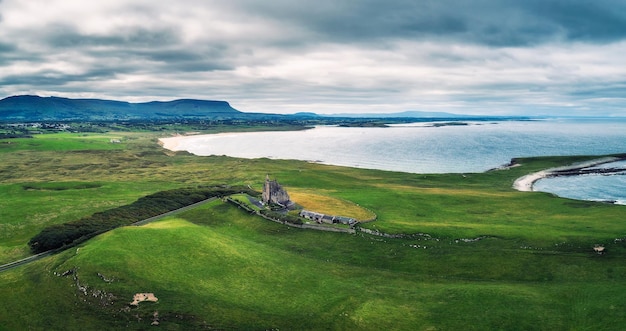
(475,255)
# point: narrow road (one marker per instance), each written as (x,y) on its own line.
(36,257)
(23,261)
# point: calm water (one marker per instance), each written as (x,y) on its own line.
(598,187)
(421,149)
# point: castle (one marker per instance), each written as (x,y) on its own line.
(274,193)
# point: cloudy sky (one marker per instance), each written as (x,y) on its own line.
(326,56)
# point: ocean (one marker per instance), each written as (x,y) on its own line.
(424,148)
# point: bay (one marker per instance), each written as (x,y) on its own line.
(419,148)
(595,187)
(424,148)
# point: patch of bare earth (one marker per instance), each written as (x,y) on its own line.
(141,297)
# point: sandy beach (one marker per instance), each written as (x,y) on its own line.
(525,183)
(171,143)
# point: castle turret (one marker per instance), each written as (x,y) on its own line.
(274,193)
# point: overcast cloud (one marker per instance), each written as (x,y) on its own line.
(326,56)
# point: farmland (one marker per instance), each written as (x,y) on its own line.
(474,253)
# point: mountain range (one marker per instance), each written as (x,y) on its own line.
(31,108)
(35,108)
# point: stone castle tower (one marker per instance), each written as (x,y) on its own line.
(274,193)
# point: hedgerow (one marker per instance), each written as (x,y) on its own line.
(62,235)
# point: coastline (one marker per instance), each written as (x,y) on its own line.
(171,143)
(320,145)
(525,183)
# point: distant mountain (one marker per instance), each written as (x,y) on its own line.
(30,108)
(404,114)
(35,108)
(306,114)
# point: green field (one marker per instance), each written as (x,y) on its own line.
(476,254)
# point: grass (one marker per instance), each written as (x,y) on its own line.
(63,142)
(232,270)
(26,208)
(330,206)
(217,266)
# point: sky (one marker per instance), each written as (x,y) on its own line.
(497,57)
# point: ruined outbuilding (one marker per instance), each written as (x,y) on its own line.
(599,249)
(328,219)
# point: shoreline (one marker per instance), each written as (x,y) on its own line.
(525,183)
(522,184)
(171,143)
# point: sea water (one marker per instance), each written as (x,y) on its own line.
(423,148)
(597,187)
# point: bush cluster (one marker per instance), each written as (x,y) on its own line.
(64,235)
(282,217)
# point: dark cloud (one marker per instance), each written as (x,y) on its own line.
(616,90)
(67,36)
(188,60)
(593,21)
(53,79)
(489,22)
(9,53)
(358,21)
(326,54)
(160,47)
(6,48)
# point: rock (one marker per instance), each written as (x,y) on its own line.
(140,297)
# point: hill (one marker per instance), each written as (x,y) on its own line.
(32,108)
(35,108)
(468,252)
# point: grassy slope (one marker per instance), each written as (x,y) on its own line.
(220,266)
(230,270)
(125,172)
